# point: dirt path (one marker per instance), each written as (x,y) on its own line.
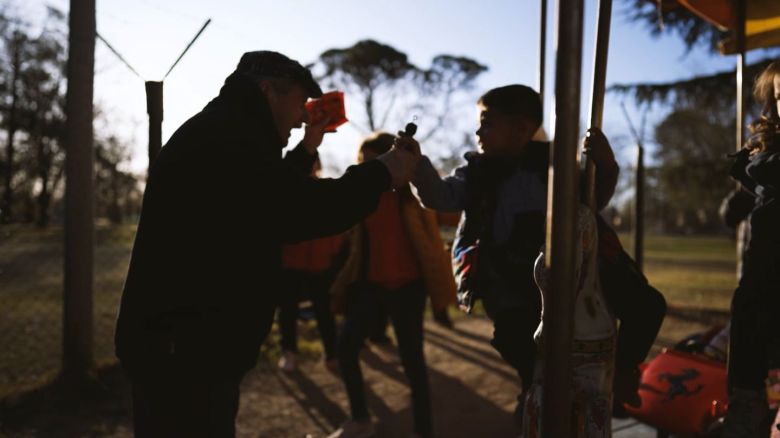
(473,395)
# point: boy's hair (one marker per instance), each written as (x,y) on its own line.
(378,143)
(517,100)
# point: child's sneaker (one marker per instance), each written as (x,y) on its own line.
(288,362)
(355,429)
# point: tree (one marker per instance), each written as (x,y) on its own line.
(669,17)
(32,113)
(44,120)
(116,191)
(31,104)
(705,91)
(14,42)
(692,177)
(368,69)
(392,89)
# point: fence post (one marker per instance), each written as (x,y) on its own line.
(79,193)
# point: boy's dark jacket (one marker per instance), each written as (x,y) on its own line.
(219,203)
(504,276)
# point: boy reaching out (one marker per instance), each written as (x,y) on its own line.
(502,191)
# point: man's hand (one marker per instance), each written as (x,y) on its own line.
(408,144)
(401,164)
(312,137)
(596,146)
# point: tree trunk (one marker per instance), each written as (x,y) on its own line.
(6,208)
(44,197)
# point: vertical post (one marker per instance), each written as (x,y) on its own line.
(154,107)
(561,214)
(598,86)
(79,207)
(542,49)
(639,207)
(741,8)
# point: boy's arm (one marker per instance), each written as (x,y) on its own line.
(447,194)
(597,147)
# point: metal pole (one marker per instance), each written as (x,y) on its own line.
(639,208)
(542,48)
(79,206)
(598,87)
(741,7)
(562,205)
(187,48)
(154,107)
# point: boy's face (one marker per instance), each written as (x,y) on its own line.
(502,134)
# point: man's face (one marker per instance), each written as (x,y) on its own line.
(501,134)
(288,109)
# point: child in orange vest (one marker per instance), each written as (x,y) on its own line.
(396,260)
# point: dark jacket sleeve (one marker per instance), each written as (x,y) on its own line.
(300,159)
(606,181)
(311,208)
(764,169)
(736,207)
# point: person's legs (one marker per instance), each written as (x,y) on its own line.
(406,307)
(319,286)
(747,357)
(176,403)
(378,328)
(513,338)
(288,311)
(360,307)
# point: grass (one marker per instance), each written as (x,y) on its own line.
(31,267)
(695,274)
(692,271)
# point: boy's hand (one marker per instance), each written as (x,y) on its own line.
(596,146)
(313,134)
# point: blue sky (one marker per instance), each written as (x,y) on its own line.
(502,34)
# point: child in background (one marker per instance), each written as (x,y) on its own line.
(396,261)
(757,297)
(309,269)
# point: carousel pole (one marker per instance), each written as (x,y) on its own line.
(598,86)
(741,8)
(563,198)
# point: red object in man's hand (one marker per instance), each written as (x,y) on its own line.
(329,106)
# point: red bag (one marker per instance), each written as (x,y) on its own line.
(682,393)
(329,106)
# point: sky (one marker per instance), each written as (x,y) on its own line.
(502,34)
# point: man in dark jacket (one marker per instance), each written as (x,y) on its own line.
(219,202)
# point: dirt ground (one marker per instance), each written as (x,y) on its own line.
(473,396)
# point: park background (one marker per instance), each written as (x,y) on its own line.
(664,74)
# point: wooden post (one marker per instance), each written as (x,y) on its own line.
(154,107)
(639,207)
(741,7)
(542,49)
(79,201)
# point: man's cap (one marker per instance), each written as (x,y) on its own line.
(265,64)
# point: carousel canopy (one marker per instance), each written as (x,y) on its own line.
(762,28)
